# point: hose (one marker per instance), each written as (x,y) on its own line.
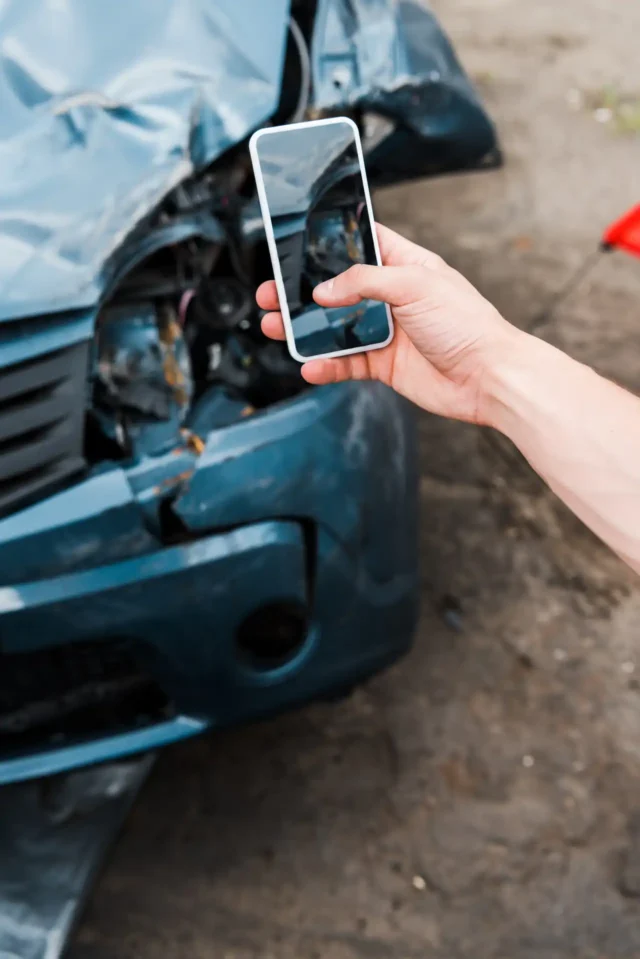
(305,72)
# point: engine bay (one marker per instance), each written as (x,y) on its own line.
(178,343)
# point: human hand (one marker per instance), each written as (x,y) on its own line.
(448,338)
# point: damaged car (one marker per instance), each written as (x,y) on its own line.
(190,536)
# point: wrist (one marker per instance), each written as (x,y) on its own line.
(514,378)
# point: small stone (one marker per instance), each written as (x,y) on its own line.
(528,761)
(418,883)
(559,655)
(578,766)
(628,667)
(602,115)
(451,612)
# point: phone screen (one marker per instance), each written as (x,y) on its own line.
(316,206)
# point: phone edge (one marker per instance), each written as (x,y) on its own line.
(273,249)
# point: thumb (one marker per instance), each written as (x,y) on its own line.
(396,285)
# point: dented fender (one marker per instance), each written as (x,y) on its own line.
(314,458)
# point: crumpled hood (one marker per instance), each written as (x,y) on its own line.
(104,110)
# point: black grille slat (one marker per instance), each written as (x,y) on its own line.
(33,375)
(42,408)
(41,414)
(41,447)
(69,694)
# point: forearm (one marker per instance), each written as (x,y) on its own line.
(579,431)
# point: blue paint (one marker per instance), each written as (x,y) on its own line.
(312,501)
(71,757)
(41,335)
(339,460)
(82,94)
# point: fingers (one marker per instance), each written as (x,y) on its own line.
(267,299)
(320,372)
(272,326)
(396,250)
(354,367)
(396,285)
(267,296)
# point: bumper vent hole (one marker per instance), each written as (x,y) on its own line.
(272,636)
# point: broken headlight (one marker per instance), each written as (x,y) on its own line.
(143,370)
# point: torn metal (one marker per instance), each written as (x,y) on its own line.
(93,135)
(395,61)
(53,837)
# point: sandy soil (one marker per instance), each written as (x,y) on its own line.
(481,799)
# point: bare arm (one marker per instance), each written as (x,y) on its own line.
(579,431)
(453,354)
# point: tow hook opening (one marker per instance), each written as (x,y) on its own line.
(272,636)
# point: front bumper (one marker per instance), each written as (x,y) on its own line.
(310,505)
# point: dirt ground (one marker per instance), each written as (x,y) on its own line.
(482,798)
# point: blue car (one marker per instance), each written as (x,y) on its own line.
(189,536)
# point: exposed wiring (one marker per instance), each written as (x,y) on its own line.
(305,72)
(183,305)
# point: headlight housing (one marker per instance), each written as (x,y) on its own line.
(143,372)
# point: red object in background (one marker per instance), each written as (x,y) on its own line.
(625,232)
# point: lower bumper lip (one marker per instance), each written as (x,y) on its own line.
(72,757)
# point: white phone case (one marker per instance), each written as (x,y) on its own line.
(273,251)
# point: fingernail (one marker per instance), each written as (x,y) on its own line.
(324,289)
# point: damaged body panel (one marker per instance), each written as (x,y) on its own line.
(394,60)
(54,836)
(190,536)
(94,133)
(341,584)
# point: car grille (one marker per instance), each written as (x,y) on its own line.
(42,406)
(74,693)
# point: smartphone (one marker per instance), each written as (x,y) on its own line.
(318,221)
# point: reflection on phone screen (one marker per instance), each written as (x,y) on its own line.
(321,224)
